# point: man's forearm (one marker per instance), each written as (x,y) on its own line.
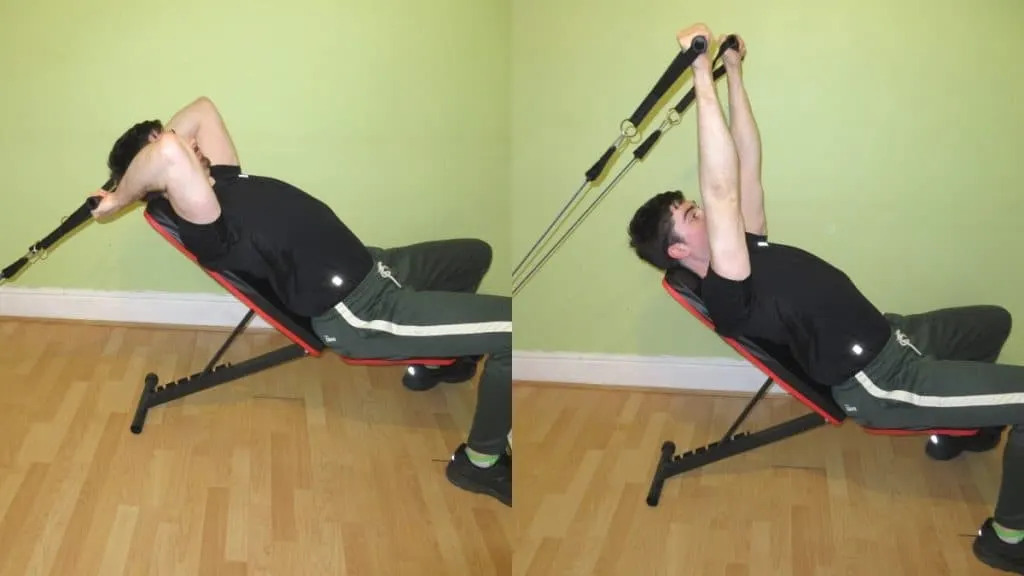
(743,125)
(719,165)
(747,137)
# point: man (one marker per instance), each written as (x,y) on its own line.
(933,370)
(365,302)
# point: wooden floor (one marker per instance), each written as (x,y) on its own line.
(310,468)
(834,501)
(319,468)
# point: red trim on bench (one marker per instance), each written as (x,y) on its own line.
(760,365)
(270,320)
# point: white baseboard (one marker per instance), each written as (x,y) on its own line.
(670,372)
(180,309)
(224,311)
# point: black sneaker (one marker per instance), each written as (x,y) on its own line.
(949,447)
(495,481)
(419,378)
(997,553)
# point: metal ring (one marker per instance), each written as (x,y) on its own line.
(674,117)
(628,129)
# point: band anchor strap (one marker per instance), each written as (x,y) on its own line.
(628,131)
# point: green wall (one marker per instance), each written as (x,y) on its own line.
(891,148)
(450,113)
(393,112)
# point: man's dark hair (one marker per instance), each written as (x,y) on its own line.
(652,230)
(128,146)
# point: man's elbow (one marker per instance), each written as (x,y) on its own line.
(204,102)
(201,108)
(722,192)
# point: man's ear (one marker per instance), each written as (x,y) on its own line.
(678,251)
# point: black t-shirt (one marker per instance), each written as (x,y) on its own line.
(273,231)
(795,299)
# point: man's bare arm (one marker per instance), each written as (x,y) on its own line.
(166,165)
(718,172)
(747,138)
(202,121)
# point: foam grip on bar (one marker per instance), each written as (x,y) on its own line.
(77,218)
(109,185)
(647,144)
(686,100)
(731,43)
(679,64)
(690,96)
(598,167)
(14,268)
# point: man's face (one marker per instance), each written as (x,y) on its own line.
(689,224)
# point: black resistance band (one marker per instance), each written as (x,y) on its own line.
(628,129)
(38,251)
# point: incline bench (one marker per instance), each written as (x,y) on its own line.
(779,367)
(260,299)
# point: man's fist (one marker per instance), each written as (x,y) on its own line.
(687,35)
(107,206)
(735,55)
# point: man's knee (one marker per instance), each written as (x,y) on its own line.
(1000,322)
(501,347)
(500,357)
(1015,437)
(480,253)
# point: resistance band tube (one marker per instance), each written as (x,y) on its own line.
(673,118)
(38,251)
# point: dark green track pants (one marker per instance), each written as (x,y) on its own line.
(420,301)
(938,371)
